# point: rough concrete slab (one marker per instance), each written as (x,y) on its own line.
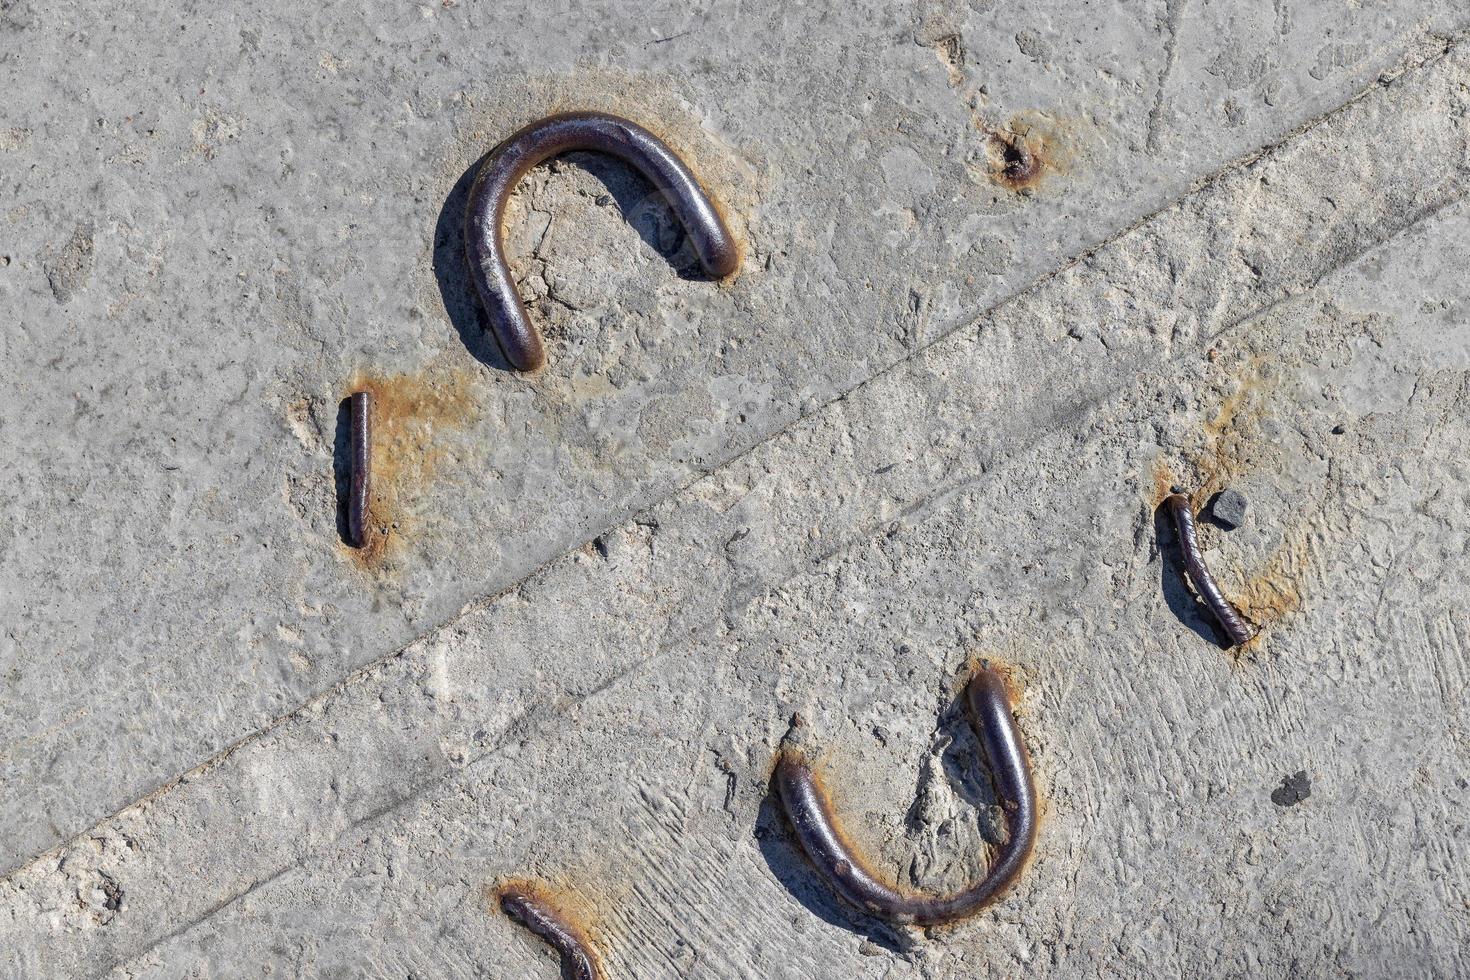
(609,723)
(219,221)
(1165,847)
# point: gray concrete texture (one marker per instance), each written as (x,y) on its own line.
(930,420)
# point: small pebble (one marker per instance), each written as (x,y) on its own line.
(1228,509)
(1339,429)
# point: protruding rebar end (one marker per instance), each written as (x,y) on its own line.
(360,410)
(1198,573)
(724,258)
(527,904)
(525,353)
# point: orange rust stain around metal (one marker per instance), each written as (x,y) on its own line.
(1017,681)
(1233,447)
(360,441)
(821,787)
(1230,447)
(1028,149)
(558,917)
(1163,484)
(410,412)
(1275,592)
(1014,677)
(1017,164)
(1198,573)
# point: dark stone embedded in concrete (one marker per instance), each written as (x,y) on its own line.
(1293,790)
(1228,509)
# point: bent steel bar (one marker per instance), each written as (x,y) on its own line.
(1199,574)
(578,962)
(508,162)
(360,450)
(816,827)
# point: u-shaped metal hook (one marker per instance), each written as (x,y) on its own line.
(811,815)
(508,162)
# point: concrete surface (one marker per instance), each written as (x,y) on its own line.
(929,420)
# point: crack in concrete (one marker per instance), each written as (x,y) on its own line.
(209,913)
(1173,14)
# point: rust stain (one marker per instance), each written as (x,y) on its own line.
(1163,484)
(1017,678)
(1028,149)
(823,783)
(1016,163)
(860,853)
(1233,447)
(569,902)
(1275,592)
(1232,444)
(409,413)
(1018,682)
(569,907)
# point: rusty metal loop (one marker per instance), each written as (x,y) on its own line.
(1199,575)
(811,815)
(523,904)
(508,162)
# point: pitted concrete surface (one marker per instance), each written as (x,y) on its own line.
(931,420)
